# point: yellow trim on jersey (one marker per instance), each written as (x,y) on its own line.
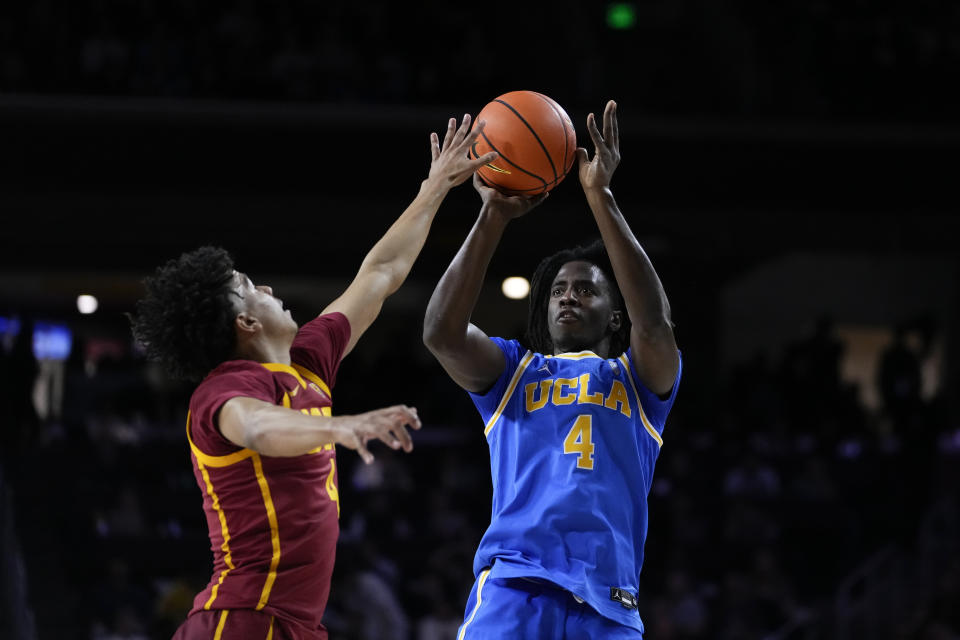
(643,416)
(579,355)
(270,631)
(331,486)
(274,531)
(285,368)
(524,363)
(483,579)
(216,461)
(221,624)
(312,377)
(299,372)
(224,531)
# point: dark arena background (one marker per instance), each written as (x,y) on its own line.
(791,168)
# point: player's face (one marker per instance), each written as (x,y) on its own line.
(580,313)
(259,302)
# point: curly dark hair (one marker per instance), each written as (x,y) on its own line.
(538,333)
(185,320)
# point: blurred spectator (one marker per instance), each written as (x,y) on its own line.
(366,605)
(442,618)
(900,378)
(18,374)
(687,606)
(124,517)
(772,588)
(943,617)
(121,606)
(752,478)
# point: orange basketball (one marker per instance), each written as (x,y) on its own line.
(535,140)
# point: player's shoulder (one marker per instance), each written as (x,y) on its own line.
(332,321)
(234,366)
(225,372)
(513,349)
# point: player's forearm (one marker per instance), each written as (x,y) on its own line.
(448,313)
(394,254)
(281,432)
(643,293)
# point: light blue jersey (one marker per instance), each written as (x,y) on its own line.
(573,443)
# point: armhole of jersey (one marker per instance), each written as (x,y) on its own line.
(524,363)
(628,371)
(216,461)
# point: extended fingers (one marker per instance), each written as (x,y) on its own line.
(609,121)
(464,129)
(614,123)
(364,453)
(412,417)
(434,146)
(451,128)
(594,132)
(482,160)
(455,136)
(471,136)
(395,432)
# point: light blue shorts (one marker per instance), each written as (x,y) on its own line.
(522,609)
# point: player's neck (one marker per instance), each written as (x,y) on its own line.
(601,348)
(263,350)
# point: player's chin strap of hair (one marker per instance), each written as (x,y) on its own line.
(624,597)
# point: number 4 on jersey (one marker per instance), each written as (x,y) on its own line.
(580,441)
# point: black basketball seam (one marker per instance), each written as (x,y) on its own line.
(536,190)
(550,103)
(537,137)
(492,146)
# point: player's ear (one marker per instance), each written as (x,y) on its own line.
(246,323)
(616,321)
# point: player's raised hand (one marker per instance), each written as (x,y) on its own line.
(389,425)
(597,173)
(450,162)
(508,207)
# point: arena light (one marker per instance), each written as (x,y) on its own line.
(621,16)
(87,304)
(515,288)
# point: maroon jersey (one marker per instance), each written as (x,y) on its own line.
(273,521)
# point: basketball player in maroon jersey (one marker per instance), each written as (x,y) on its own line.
(259,426)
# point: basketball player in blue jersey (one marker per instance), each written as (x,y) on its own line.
(573,420)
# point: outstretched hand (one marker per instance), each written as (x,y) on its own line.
(597,173)
(450,162)
(388,425)
(508,207)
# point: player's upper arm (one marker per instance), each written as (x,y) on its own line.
(474,361)
(655,357)
(236,420)
(361,302)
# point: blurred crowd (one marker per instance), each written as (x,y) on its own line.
(843,59)
(756,513)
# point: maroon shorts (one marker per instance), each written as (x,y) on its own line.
(242,624)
